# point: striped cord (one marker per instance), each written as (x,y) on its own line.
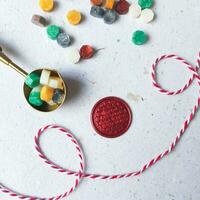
(79,174)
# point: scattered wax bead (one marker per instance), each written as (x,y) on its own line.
(96,2)
(58,96)
(37,89)
(53,31)
(44,78)
(109,4)
(55,82)
(139,37)
(86,52)
(46,5)
(32,80)
(97,11)
(46,93)
(72,55)
(134,11)
(64,40)
(122,7)
(145,3)
(34,99)
(74,17)
(147,15)
(39,20)
(110,16)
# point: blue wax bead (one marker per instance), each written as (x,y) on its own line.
(58,96)
(110,16)
(64,40)
(97,11)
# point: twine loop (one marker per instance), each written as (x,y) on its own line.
(79,174)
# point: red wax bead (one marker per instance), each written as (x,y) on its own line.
(122,7)
(86,52)
(111,117)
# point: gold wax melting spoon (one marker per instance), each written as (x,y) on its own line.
(45,107)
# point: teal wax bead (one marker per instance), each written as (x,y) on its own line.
(34,99)
(53,31)
(139,37)
(145,3)
(32,80)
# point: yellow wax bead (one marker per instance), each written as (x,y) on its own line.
(46,5)
(74,17)
(109,4)
(46,93)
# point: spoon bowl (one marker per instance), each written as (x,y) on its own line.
(45,107)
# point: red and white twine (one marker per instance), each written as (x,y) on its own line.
(79,174)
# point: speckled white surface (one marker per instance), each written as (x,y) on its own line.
(121,69)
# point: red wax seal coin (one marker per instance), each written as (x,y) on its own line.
(86,52)
(122,7)
(111,117)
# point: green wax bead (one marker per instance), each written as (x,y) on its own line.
(34,99)
(32,80)
(53,31)
(145,3)
(139,37)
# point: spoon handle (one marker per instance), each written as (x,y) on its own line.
(4,59)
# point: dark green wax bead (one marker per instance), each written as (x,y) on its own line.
(145,3)
(53,31)
(32,80)
(139,37)
(34,99)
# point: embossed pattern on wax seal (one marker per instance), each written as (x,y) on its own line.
(111,117)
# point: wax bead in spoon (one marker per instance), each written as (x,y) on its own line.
(44,89)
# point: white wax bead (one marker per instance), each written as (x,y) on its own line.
(55,82)
(44,78)
(134,10)
(147,15)
(37,89)
(72,55)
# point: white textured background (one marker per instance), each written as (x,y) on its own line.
(119,70)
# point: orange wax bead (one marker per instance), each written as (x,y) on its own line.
(96,2)
(74,17)
(109,4)
(46,5)
(46,93)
